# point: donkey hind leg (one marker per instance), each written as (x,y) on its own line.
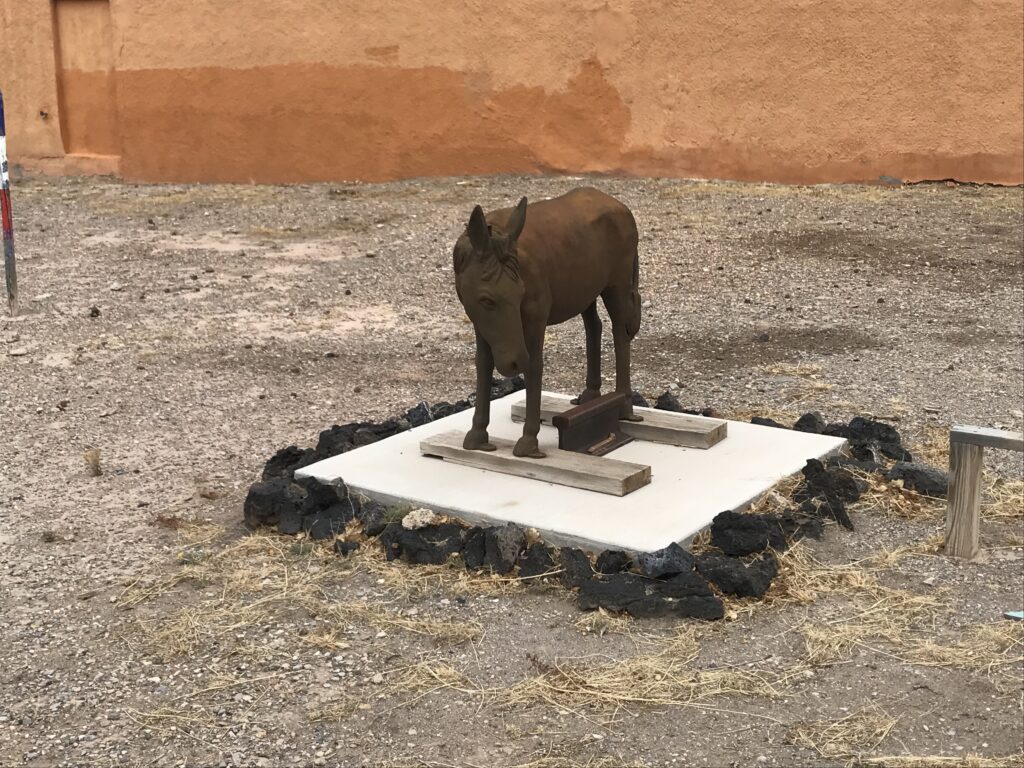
(619,303)
(592,326)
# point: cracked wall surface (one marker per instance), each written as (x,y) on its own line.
(299,90)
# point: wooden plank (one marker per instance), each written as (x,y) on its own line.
(963,506)
(577,470)
(667,427)
(988,438)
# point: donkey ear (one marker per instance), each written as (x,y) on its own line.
(478,234)
(516,221)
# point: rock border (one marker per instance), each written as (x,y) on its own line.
(668,582)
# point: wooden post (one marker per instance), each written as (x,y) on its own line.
(8,222)
(963,510)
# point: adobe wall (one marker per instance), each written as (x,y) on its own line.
(297,90)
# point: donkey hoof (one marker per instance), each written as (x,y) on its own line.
(630,417)
(476,440)
(586,396)
(527,448)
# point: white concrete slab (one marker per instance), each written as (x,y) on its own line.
(689,486)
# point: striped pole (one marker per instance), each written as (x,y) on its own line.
(8,221)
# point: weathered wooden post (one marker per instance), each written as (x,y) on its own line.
(8,221)
(963,507)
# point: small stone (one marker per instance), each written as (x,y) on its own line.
(94,311)
(115,286)
(377,679)
(18,352)
(420,518)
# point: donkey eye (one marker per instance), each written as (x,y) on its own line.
(488,303)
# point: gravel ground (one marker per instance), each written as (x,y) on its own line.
(187,332)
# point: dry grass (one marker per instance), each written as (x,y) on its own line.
(663,676)
(847,737)
(410,581)
(262,578)
(987,648)
(92,462)
(942,761)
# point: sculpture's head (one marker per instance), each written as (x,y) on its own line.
(490,287)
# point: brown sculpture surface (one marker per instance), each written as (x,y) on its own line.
(519,270)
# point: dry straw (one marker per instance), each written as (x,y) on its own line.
(847,737)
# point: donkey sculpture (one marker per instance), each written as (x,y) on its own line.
(515,275)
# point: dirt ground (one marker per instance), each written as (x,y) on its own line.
(186,333)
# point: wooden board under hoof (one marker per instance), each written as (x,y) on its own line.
(577,470)
(657,427)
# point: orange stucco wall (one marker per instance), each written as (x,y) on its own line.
(297,90)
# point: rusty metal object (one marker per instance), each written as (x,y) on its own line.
(592,427)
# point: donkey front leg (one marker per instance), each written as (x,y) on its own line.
(527,444)
(476,438)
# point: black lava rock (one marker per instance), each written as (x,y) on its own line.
(418,416)
(922,478)
(336,440)
(872,440)
(616,592)
(845,462)
(323,525)
(287,460)
(505,387)
(502,545)
(290,521)
(344,547)
(685,595)
(442,409)
(268,500)
(390,540)
(668,402)
(734,577)
(612,561)
(796,525)
(373,516)
(828,507)
(811,422)
(763,422)
(737,534)
(431,544)
(536,561)
(473,549)
(320,495)
(689,596)
(638,400)
(668,561)
(827,491)
(576,568)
